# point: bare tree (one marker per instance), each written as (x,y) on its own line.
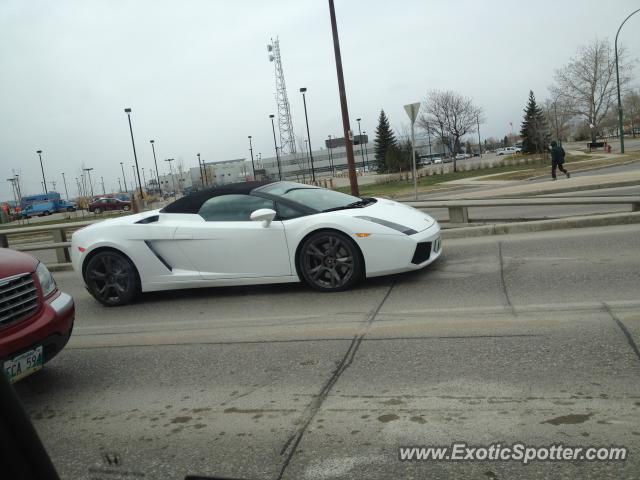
(631,109)
(588,82)
(450,116)
(558,115)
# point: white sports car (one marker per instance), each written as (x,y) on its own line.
(253,233)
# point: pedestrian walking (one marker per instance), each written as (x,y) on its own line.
(557,160)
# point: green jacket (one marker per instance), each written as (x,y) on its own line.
(557,154)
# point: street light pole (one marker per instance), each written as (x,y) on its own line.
(64,181)
(135,156)
(360,142)
(173,180)
(88,170)
(144,179)
(353,180)
(620,121)
(104,192)
(253,165)
(44,180)
(200,169)
(330,156)
(124,177)
(156,164)
(119,184)
(306,118)
(366,145)
(275,144)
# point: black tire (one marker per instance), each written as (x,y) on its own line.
(126,208)
(329,261)
(97,210)
(111,278)
(46,213)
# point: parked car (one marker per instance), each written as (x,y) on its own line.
(437,160)
(39,209)
(508,150)
(36,318)
(108,203)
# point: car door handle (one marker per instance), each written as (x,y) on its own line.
(183,237)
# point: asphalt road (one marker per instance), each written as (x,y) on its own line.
(505,339)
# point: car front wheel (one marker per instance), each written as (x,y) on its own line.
(329,261)
(126,208)
(112,278)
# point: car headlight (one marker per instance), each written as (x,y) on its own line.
(386,223)
(47,282)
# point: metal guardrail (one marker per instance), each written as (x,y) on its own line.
(459,209)
(58,233)
(458,213)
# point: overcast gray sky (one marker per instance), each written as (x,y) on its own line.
(197,76)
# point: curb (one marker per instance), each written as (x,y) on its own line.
(544,225)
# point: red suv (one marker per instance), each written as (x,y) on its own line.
(36,319)
(103,204)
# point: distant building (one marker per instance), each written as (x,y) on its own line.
(221,173)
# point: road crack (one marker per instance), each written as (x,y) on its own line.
(624,329)
(314,406)
(503,284)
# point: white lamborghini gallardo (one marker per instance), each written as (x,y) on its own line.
(253,233)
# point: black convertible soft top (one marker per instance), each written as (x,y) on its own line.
(192,203)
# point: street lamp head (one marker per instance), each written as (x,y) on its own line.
(358,119)
(127,110)
(39,151)
(152,141)
(271,116)
(249,136)
(303,89)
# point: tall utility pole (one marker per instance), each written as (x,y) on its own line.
(88,170)
(285,125)
(275,144)
(360,142)
(64,181)
(119,185)
(135,156)
(17,177)
(353,180)
(104,192)
(13,188)
(620,121)
(306,118)
(156,164)
(479,144)
(253,165)
(44,180)
(124,177)
(144,179)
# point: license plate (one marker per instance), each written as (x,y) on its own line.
(24,364)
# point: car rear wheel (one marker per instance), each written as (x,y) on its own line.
(329,261)
(111,278)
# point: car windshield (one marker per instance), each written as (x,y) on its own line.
(318,199)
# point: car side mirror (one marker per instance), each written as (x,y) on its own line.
(264,215)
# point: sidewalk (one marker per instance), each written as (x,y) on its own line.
(517,188)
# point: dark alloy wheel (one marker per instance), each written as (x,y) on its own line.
(111,278)
(330,261)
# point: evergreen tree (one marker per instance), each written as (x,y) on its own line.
(505,141)
(385,139)
(534,131)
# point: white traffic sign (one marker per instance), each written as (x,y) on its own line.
(412,111)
